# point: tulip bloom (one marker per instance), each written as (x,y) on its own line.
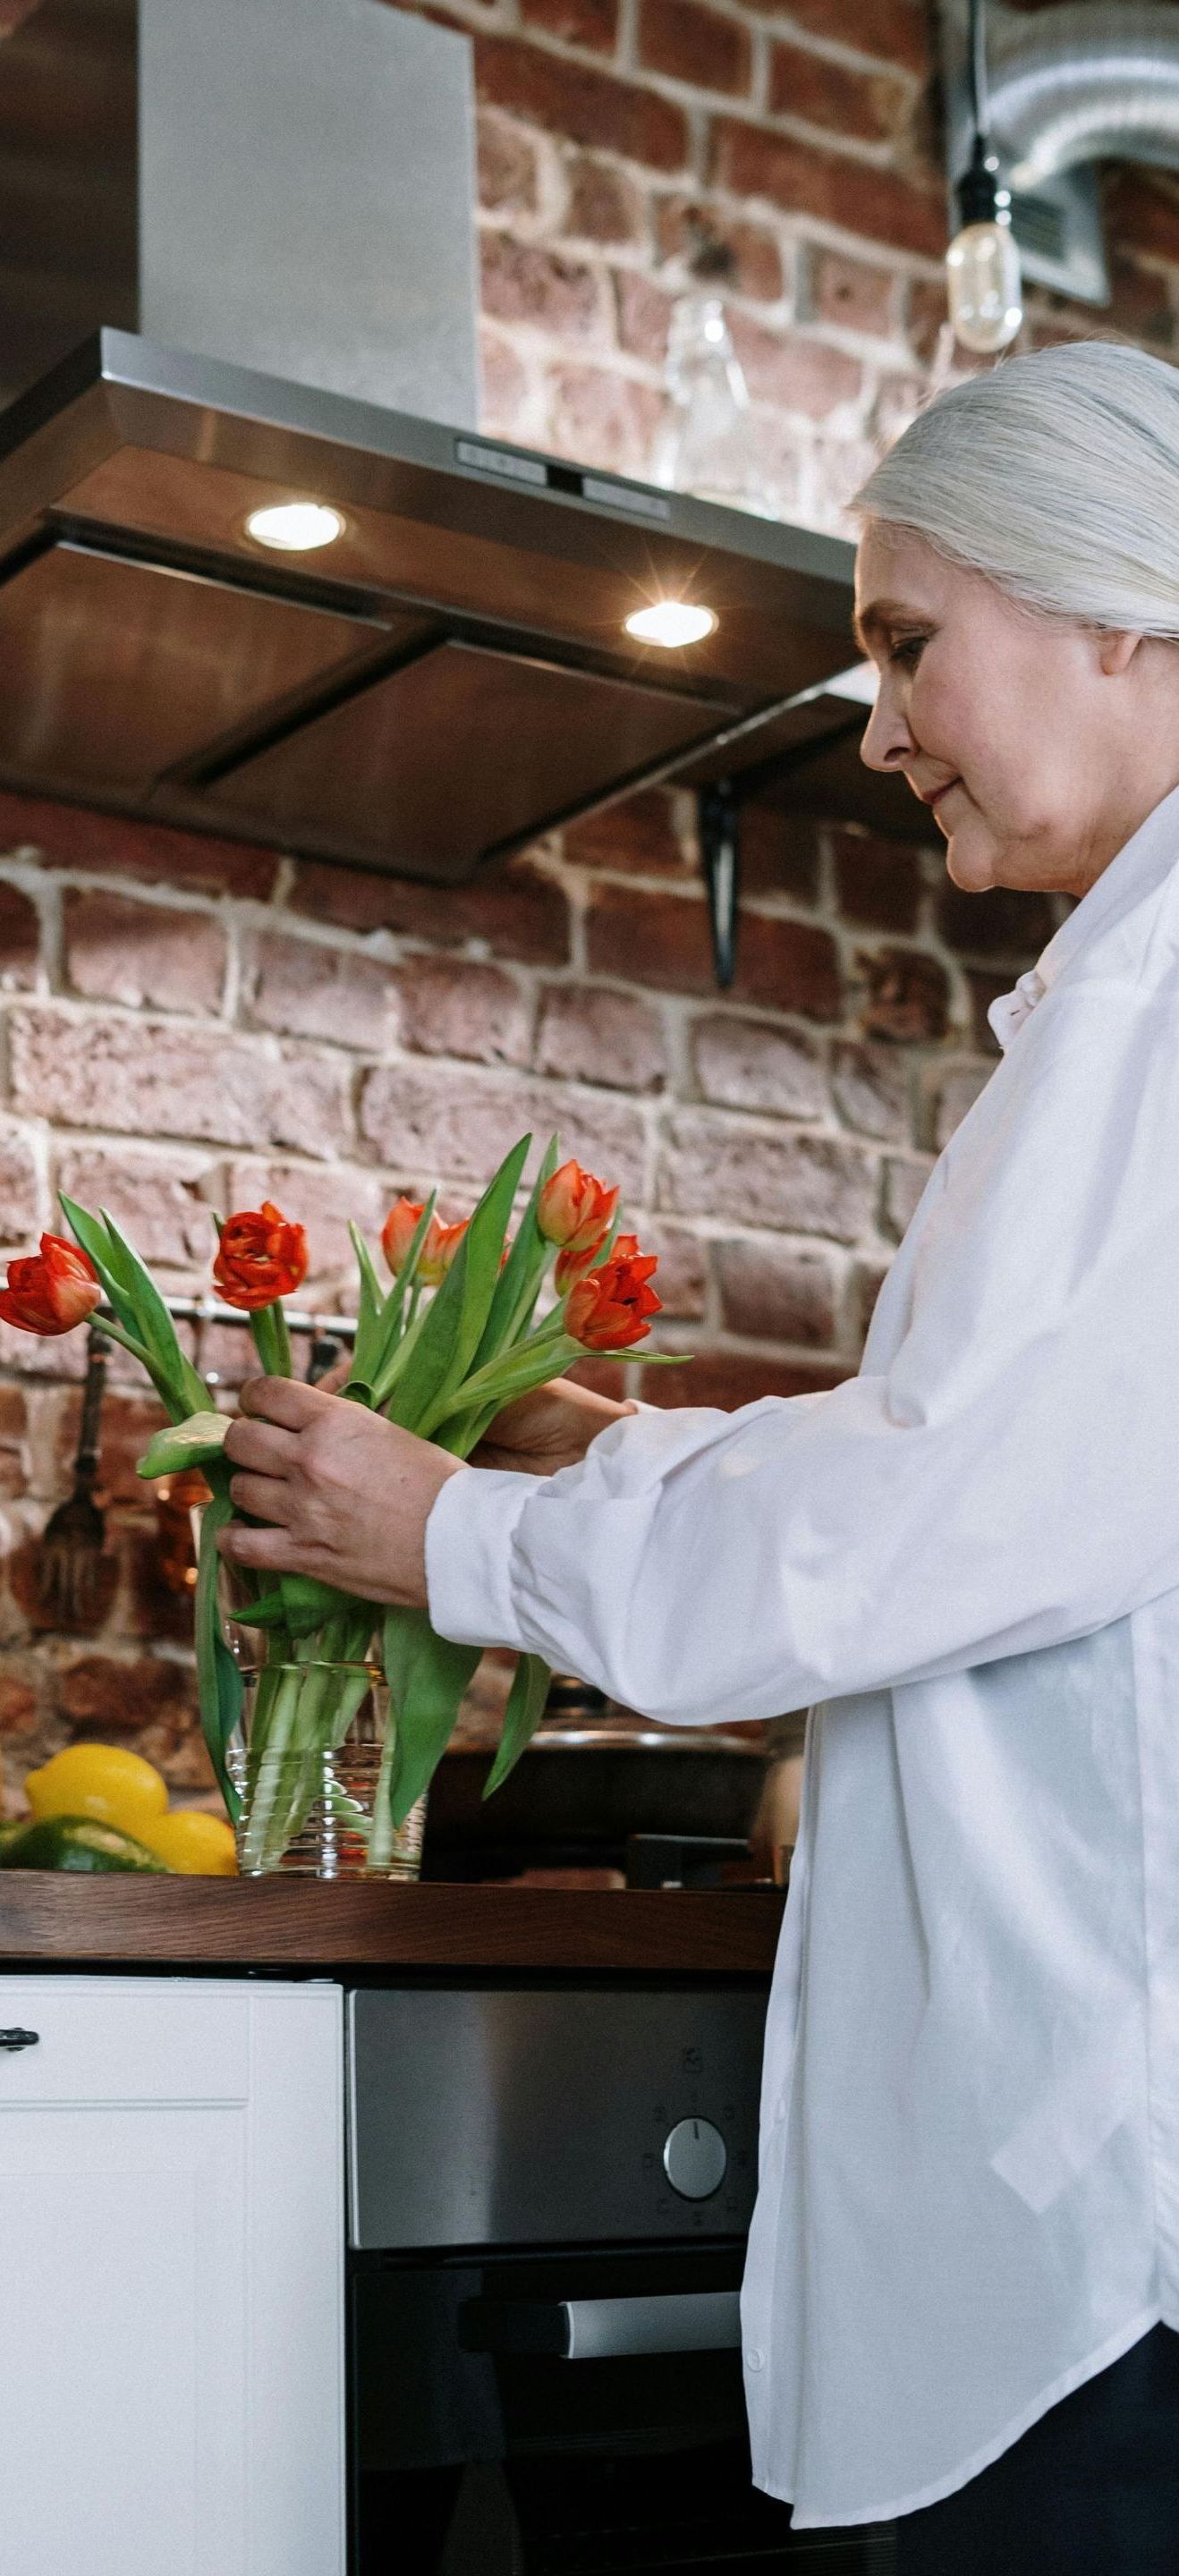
(608,1311)
(439,1243)
(51,1290)
(262,1257)
(575,1210)
(574,1265)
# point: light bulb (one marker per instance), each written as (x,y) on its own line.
(295,527)
(671,622)
(983,282)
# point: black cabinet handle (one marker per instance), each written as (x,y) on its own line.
(14,2039)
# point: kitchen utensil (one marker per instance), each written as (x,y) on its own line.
(68,1588)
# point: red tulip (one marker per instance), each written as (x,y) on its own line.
(439,1243)
(608,1311)
(575,1210)
(574,1265)
(262,1257)
(51,1290)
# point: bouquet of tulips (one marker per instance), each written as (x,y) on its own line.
(452,1338)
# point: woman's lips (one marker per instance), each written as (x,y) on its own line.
(933,795)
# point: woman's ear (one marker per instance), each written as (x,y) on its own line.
(1116,648)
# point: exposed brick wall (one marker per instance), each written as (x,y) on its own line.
(190,1025)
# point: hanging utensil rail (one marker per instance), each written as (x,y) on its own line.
(211,1310)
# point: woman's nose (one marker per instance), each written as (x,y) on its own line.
(886,741)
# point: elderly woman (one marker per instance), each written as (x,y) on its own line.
(961,2306)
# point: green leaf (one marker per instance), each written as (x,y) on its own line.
(219,1683)
(519,1280)
(454,1325)
(427,1677)
(184,1444)
(380,1316)
(153,1322)
(522,1716)
(301,1604)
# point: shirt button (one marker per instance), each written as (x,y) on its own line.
(755,2359)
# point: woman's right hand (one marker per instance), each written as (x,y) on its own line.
(549,1429)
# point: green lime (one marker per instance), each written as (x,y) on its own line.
(75,1842)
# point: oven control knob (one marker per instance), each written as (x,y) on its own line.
(694,2159)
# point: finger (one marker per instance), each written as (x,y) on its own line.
(272,1551)
(285,1400)
(262,1446)
(265,1498)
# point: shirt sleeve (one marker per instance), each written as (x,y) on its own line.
(1009,1479)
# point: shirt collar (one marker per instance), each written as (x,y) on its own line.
(1138,869)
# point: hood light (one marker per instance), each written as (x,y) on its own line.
(671,622)
(295,527)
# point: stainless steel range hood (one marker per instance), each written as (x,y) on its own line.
(452,674)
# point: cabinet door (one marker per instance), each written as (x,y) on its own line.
(170,2280)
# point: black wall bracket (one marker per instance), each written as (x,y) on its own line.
(720,853)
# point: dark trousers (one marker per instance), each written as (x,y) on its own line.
(1090,2490)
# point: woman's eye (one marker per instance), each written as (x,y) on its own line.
(908,650)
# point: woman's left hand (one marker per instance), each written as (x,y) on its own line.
(342,1493)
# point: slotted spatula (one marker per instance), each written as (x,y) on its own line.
(72,1540)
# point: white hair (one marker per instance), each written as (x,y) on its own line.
(1056,475)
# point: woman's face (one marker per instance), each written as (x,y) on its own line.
(1005,723)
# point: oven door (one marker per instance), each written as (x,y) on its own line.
(563,2414)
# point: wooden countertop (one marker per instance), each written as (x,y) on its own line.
(301,1923)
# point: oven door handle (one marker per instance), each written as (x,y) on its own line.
(604,2329)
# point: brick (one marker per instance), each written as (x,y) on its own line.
(643,316)
(877,883)
(20,1189)
(869,105)
(590,1034)
(870,1088)
(870,1277)
(794,374)
(604,203)
(20,938)
(729,1379)
(747,1064)
(640,835)
(581,104)
(24,1355)
(926,317)
(852,293)
(895,31)
(907,998)
(157,1076)
(319,1197)
(450,1008)
(305,989)
(504,383)
(592,24)
(118,950)
(14,1426)
(691,43)
(903,1186)
(779,852)
(803,179)
(78,836)
(757,270)
(663,939)
(524,283)
(714,1166)
(1140,304)
(777,1296)
(984,988)
(1003,922)
(18,1699)
(163,1202)
(600,416)
(431,1120)
(103,1693)
(956,1093)
(682,1276)
(1142,211)
(521,913)
(509,169)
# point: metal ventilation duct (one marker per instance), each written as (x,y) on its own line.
(1081,84)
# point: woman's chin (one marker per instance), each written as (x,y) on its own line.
(970,862)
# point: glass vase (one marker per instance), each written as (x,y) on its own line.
(309,1763)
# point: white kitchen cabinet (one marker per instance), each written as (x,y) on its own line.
(171,2278)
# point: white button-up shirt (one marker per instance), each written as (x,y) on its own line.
(968,1555)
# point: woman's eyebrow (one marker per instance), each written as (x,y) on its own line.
(879,618)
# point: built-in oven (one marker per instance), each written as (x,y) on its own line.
(549,2191)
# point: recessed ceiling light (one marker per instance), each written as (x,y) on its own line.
(671,622)
(295,527)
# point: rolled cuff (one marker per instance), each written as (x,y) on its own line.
(469,1539)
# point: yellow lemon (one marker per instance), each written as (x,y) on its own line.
(101,1780)
(190,1840)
